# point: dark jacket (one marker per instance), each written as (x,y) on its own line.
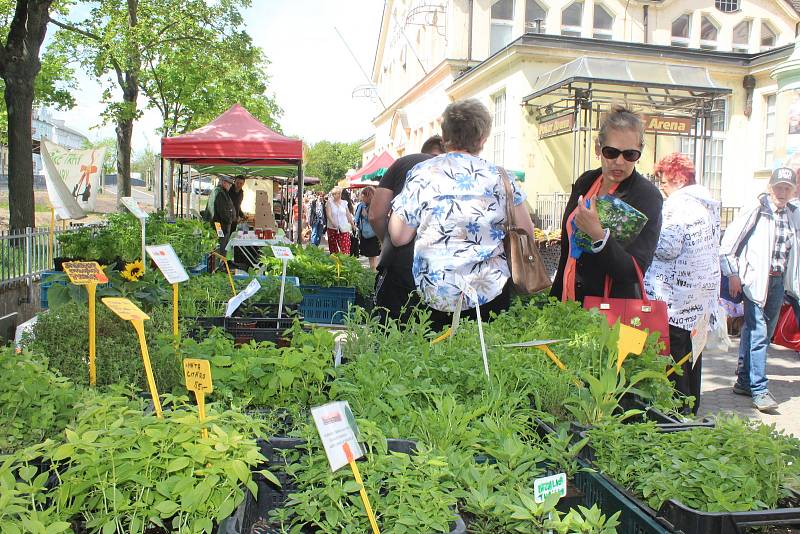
(237,197)
(312,214)
(224,211)
(613,260)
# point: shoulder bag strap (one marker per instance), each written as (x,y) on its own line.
(607,285)
(509,200)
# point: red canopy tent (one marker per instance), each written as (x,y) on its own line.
(237,139)
(382,161)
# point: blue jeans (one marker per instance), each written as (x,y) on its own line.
(759,325)
(317,231)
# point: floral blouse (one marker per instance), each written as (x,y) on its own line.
(457,203)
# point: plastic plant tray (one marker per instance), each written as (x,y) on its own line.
(326,305)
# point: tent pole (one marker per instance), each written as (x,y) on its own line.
(300,180)
(161,186)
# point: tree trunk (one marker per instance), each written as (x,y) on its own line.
(124,138)
(19,101)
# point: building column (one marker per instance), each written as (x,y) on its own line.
(787,111)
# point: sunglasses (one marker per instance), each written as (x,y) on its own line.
(632,155)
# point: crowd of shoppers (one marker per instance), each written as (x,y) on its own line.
(434,230)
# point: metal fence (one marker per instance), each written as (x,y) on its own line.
(549,210)
(25,254)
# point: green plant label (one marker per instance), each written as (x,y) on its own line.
(337,427)
(546,486)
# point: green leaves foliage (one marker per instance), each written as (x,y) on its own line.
(736,466)
(329,161)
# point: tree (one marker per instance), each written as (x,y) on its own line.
(190,85)
(329,161)
(22,33)
(116,39)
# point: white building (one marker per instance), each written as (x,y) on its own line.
(547,69)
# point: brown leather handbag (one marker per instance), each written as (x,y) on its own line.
(528,274)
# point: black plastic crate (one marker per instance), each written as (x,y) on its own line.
(271,497)
(681,519)
(245,329)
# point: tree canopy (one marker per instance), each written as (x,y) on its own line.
(329,161)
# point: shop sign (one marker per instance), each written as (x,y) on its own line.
(556,126)
(667,124)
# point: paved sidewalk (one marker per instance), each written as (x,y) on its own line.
(783,371)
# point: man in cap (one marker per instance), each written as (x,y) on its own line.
(759,255)
(224,211)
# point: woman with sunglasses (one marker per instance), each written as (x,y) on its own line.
(618,147)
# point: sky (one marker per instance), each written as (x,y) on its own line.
(312,75)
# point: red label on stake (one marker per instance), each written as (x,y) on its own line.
(347,452)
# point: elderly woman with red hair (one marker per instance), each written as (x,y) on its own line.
(685,268)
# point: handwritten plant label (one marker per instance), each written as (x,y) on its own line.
(546,486)
(282,253)
(83,273)
(198,375)
(125,309)
(337,426)
(168,262)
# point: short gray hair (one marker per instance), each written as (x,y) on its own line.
(620,118)
(465,123)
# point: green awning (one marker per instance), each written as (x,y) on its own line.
(519,174)
(287,171)
(374,176)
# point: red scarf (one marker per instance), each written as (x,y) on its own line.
(568,280)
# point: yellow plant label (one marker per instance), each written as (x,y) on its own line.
(198,375)
(631,341)
(126,309)
(82,273)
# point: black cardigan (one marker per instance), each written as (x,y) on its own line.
(613,260)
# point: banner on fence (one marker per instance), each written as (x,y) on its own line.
(77,170)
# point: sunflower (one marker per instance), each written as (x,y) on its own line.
(133,271)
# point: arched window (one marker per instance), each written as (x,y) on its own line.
(680,30)
(502,24)
(727,6)
(741,36)
(708,34)
(768,37)
(603,23)
(572,19)
(535,15)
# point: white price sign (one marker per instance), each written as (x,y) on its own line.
(546,486)
(337,427)
(251,289)
(133,207)
(282,253)
(169,263)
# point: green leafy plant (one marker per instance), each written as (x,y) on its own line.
(314,266)
(122,471)
(737,465)
(207,295)
(62,336)
(35,403)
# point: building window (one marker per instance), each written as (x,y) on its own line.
(708,34)
(502,25)
(572,20)
(535,15)
(727,6)
(768,37)
(499,128)
(680,30)
(711,149)
(603,23)
(741,36)
(769,131)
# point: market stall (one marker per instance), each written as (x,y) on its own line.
(371,173)
(235,143)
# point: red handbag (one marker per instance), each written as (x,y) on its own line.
(786,332)
(638,313)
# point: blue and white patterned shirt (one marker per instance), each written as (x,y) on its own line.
(457,203)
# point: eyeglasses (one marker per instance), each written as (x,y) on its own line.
(632,155)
